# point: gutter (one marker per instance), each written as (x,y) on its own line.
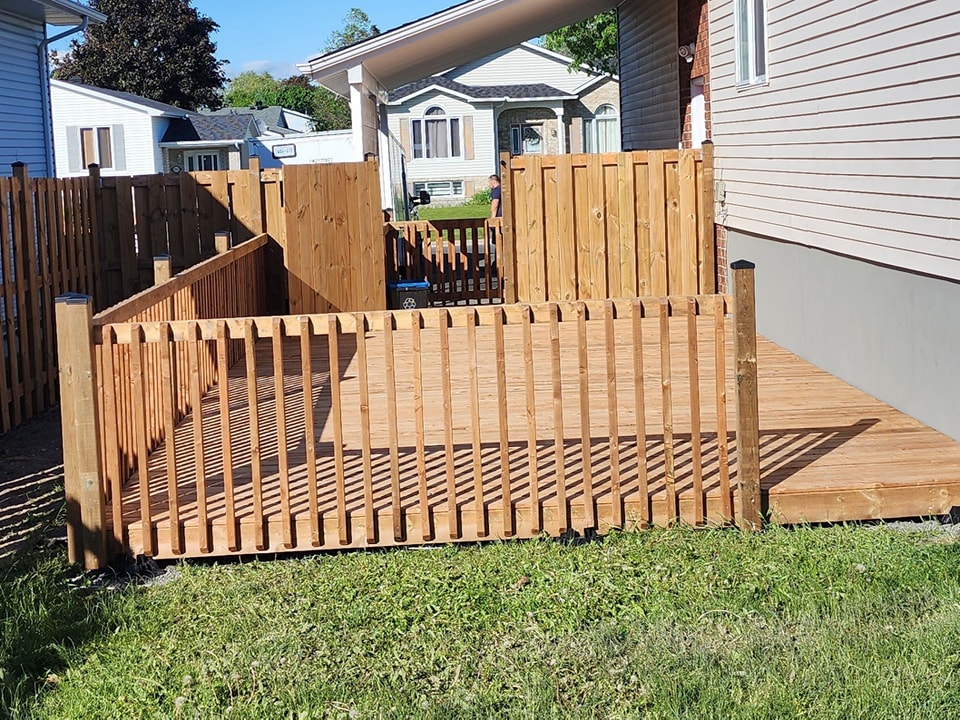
(45,95)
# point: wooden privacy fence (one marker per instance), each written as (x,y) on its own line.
(47,248)
(143,389)
(457,257)
(333,245)
(145,216)
(387,428)
(614,225)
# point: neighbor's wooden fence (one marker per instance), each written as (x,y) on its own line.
(457,257)
(452,424)
(614,225)
(143,388)
(47,248)
(333,246)
(144,216)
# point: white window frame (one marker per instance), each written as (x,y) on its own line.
(198,155)
(421,124)
(591,130)
(516,131)
(745,20)
(435,188)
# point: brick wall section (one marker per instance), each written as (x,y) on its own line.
(692,27)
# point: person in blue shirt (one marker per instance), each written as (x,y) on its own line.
(496,204)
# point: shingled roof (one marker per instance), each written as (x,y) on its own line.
(209,128)
(479,92)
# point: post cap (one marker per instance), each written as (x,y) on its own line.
(73,299)
(742,265)
(165,256)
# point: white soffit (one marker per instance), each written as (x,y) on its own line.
(450,38)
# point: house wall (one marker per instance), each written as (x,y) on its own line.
(229,158)
(23,122)
(519,64)
(889,332)
(134,153)
(606,92)
(852,144)
(474,172)
(650,98)
(693,27)
(545,117)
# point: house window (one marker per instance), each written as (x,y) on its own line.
(526,139)
(750,19)
(436,136)
(95,147)
(202,161)
(602,131)
(440,188)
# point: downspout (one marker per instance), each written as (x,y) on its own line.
(45,95)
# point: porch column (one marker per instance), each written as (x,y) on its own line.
(364,93)
(561,131)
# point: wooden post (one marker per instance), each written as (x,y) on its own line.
(256,223)
(748,411)
(708,230)
(162,269)
(83,464)
(221,241)
(100,253)
(505,253)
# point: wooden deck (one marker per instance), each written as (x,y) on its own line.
(828,451)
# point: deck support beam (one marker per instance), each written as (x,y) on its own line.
(750,513)
(82,460)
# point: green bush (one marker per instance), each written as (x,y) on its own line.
(480,198)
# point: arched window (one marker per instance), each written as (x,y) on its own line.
(436,135)
(602,131)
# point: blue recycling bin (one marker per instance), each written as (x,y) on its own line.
(409,294)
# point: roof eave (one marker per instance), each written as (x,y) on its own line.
(67,12)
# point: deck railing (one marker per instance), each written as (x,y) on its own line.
(144,388)
(457,257)
(448,424)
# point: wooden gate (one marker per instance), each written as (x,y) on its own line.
(588,227)
(334,247)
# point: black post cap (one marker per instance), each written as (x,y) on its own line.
(742,265)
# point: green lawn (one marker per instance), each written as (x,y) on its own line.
(813,623)
(462,212)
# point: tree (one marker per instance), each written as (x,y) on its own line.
(329,112)
(159,49)
(592,42)
(356,27)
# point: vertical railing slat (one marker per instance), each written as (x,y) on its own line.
(309,430)
(696,440)
(586,440)
(336,417)
(169,426)
(480,510)
(666,383)
(613,413)
(426,522)
(226,436)
(283,458)
(504,418)
(531,397)
(636,318)
(559,442)
(363,370)
(390,377)
(720,358)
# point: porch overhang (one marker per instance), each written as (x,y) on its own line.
(460,34)
(53,12)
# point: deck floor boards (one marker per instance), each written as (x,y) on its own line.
(828,451)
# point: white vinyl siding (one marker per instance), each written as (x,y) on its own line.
(23,137)
(484,159)
(650,94)
(519,65)
(134,133)
(854,145)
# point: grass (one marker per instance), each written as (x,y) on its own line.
(816,623)
(460,212)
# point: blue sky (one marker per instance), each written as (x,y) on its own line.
(273,36)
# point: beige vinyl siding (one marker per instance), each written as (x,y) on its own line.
(519,65)
(484,144)
(23,137)
(650,97)
(853,145)
(73,109)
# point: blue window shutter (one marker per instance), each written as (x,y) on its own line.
(119,148)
